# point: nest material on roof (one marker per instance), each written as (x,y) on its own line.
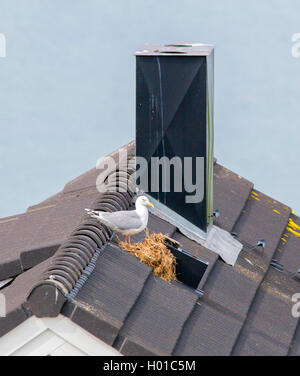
(154,253)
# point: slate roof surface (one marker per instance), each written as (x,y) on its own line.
(29,238)
(245,309)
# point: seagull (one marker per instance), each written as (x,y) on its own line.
(125,222)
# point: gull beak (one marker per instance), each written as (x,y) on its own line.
(150,204)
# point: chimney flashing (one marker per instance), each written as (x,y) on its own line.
(215,239)
(170,216)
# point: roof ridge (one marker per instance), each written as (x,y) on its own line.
(74,256)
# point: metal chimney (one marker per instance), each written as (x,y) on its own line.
(174,118)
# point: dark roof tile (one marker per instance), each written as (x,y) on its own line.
(258,344)
(288,249)
(15,296)
(231,192)
(209,331)
(13,318)
(230,289)
(89,178)
(30,238)
(35,256)
(270,319)
(112,288)
(130,348)
(84,181)
(262,218)
(101,326)
(157,319)
(295,345)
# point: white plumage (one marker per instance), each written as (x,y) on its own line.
(125,222)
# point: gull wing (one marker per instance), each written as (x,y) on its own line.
(122,220)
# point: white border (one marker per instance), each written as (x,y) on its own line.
(61,326)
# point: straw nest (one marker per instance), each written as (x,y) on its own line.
(154,253)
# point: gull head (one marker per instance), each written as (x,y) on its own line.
(143,201)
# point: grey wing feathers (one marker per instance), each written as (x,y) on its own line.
(123,220)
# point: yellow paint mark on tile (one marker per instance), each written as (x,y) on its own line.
(286,235)
(283,240)
(255,198)
(293,212)
(276,211)
(293,232)
(293,225)
(254,193)
(286,208)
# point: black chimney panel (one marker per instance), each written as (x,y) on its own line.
(174,117)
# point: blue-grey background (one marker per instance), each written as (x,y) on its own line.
(67,84)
